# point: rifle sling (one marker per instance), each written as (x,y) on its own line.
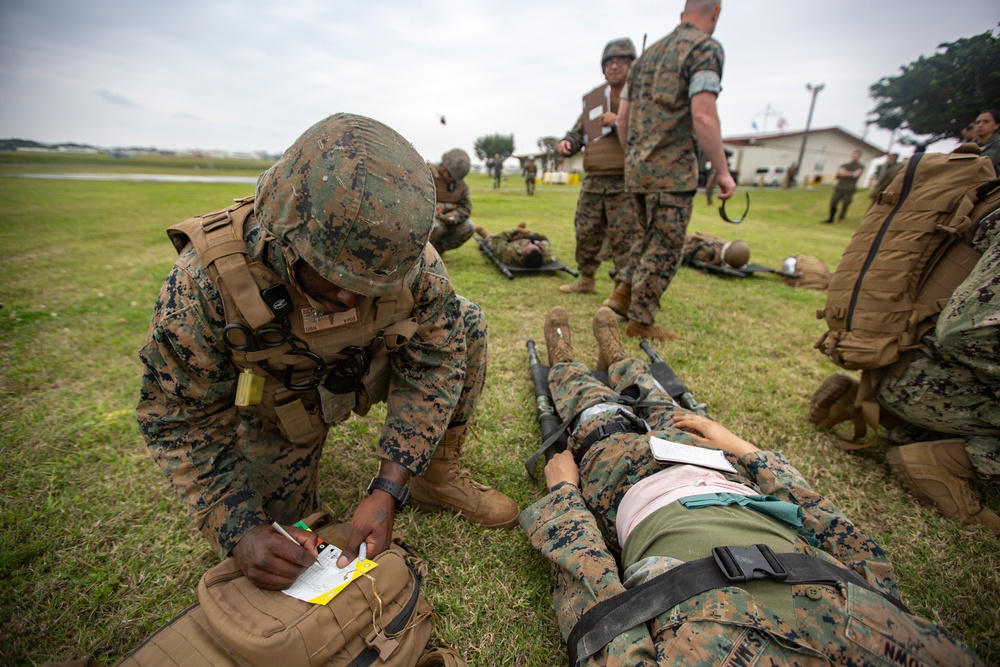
(609,618)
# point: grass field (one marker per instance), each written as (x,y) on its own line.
(96,552)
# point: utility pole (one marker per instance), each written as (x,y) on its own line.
(805,135)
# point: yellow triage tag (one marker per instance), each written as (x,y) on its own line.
(249,389)
(320,586)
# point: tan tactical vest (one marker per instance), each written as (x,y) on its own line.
(379,325)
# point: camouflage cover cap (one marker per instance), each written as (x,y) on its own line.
(622,46)
(354,200)
(457,162)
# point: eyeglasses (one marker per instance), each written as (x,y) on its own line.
(347,376)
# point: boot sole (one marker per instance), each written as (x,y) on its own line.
(833,389)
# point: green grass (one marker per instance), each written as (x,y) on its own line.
(96,552)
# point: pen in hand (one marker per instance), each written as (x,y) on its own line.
(284,532)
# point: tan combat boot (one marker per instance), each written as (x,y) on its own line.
(558,337)
(482,231)
(609,340)
(640,330)
(620,299)
(445,486)
(937,473)
(585,285)
(833,402)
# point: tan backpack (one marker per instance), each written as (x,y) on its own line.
(379,619)
(808,272)
(902,264)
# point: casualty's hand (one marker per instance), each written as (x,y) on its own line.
(563,147)
(270,560)
(608,118)
(712,433)
(727,185)
(371,523)
(562,468)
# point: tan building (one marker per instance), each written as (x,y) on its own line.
(766,156)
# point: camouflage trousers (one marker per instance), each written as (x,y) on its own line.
(952,383)
(286,474)
(657,255)
(605,213)
(446,236)
(529,184)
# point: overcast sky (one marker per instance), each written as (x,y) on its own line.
(249,75)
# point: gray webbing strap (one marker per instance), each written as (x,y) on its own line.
(608,619)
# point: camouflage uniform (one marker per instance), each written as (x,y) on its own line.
(451,227)
(842,624)
(509,245)
(604,209)
(661,158)
(530,171)
(952,383)
(232,465)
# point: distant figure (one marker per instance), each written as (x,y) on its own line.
(518,247)
(969,132)
(669,99)
(988,135)
(607,219)
(847,182)
(496,166)
(888,173)
(793,171)
(451,227)
(529,171)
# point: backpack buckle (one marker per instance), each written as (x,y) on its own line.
(742,564)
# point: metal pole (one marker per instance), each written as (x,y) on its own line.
(805,135)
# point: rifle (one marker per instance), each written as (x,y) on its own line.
(548,420)
(670,383)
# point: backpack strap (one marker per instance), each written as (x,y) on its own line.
(728,566)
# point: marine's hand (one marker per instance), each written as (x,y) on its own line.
(563,147)
(608,118)
(562,468)
(270,560)
(727,186)
(712,433)
(372,523)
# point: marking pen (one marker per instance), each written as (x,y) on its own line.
(284,532)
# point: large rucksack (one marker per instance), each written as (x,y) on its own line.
(380,619)
(908,255)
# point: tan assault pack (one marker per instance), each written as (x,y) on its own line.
(902,264)
(379,619)
(809,272)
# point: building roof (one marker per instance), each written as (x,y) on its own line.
(762,137)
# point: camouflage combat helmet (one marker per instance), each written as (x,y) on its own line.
(456,161)
(622,46)
(354,200)
(736,253)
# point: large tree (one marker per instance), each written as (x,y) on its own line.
(550,158)
(489,145)
(935,97)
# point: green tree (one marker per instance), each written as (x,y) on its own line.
(489,145)
(550,158)
(935,96)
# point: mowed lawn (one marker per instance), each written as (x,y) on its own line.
(96,552)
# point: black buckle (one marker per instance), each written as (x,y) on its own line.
(743,564)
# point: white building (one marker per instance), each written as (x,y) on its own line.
(760,154)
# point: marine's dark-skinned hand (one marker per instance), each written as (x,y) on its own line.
(373,517)
(270,560)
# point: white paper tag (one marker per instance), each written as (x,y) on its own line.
(666,451)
